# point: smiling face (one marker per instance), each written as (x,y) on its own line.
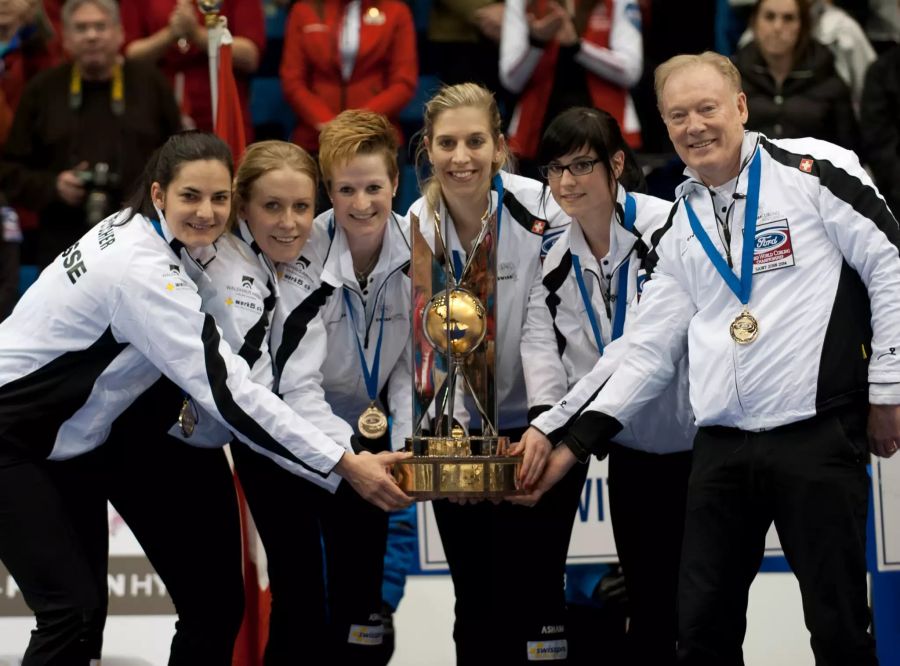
(361,191)
(463,151)
(581,197)
(705,118)
(280,212)
(196,203)
(776,28)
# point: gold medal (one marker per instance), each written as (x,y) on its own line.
(744,328)
(187,418)
(372,422)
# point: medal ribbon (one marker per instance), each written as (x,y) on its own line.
(371,378)
(458,264)
(742,287)
(621,291)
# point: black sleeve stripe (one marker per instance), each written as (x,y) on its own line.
(655,238)
(237,418)
(522,215)
(849,189)
(295,327)
(34,406)
(553,281)
(251,350)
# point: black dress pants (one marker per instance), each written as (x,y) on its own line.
(508,566)
(325,557)
(57,556)
(810,479)
(647,496)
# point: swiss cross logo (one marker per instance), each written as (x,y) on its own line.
(537,227)
(806,165)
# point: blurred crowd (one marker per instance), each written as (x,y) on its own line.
(89,88)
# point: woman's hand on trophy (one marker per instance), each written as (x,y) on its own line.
(535,448)
(560,462)
(370,475)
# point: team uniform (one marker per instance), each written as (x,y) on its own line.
(93,333)
(779,417)
(508,604)
(323,321)
(561,344)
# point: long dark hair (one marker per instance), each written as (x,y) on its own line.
(582,126)
(167,160)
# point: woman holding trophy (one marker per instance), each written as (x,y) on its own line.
(340,344)
(590,284)
(470,207)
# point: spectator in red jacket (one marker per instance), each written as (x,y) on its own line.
(171,34)
(339,54)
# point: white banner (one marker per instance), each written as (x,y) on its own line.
(886,491)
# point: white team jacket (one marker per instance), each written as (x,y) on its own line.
(314,339)
(558,344)
(238,285)
(96,329)
(826,284)
(530,220)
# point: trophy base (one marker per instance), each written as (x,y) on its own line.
(458,467)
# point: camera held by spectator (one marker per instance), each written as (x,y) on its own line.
(98,181)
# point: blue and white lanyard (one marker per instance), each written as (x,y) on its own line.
(371,378)
(621,293)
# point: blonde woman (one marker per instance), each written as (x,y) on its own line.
(507,562)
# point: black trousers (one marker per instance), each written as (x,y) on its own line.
(810,479)
(56,554)
(181,505)
(647,496)
(508,566)
(325,560)
(179,502)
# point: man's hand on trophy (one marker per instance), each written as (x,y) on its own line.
(535,448)
(560,462)
(370,475)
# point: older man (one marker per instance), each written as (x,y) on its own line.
(779,272)
(84,130)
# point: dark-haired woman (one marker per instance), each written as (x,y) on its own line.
(591,282)
(792,87)
(94,332)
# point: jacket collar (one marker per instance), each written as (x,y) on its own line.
(621,241)
(693,184)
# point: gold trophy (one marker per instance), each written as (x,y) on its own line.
(454,331)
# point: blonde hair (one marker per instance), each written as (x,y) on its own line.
(265,156)
(357,132)
(455,97)
(720,63)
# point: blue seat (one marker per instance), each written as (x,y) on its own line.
(27,275)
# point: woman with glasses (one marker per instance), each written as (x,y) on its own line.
(590,283)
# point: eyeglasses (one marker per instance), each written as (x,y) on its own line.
(579,168)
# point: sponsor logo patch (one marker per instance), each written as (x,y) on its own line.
(773,247)
(365,634)
(548,650)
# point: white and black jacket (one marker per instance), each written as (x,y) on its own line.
(239,287)
(559,347)
(314,340)
(530,220)
(826,294)
(97,328)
